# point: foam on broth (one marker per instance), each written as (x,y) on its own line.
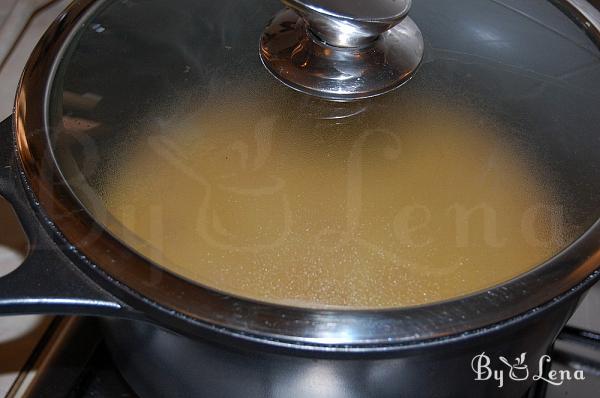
(373,210)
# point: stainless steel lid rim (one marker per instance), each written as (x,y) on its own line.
(300,344)
(351,330)
(154,312)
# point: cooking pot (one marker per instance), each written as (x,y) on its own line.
(105,70)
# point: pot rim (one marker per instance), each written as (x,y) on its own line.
(125,269)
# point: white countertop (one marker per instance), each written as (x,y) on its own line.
(18,335)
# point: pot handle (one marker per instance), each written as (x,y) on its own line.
(47,281)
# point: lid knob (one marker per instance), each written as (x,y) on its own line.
(347,23)
(342,49)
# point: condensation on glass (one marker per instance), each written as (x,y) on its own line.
(175,138)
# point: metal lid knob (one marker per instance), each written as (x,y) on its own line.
(342,50)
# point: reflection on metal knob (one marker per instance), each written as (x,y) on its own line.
(342,49)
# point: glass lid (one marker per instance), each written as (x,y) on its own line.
(184,136)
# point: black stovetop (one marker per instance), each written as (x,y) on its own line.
(100,379)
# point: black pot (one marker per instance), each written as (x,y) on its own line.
(166,353)
(171,337)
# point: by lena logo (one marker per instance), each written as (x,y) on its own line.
(519,370)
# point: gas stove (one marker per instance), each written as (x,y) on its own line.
(72,361)
(69,358)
